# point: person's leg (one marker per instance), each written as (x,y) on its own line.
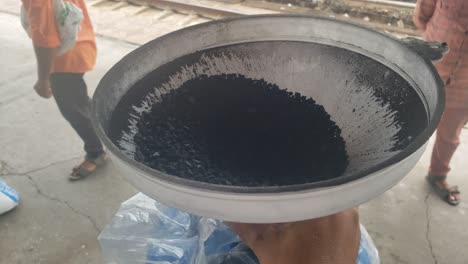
(447,141)
(71,94)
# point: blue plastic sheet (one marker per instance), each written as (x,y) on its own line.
(145,231)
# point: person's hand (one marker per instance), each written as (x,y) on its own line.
(43,89)
(331,239)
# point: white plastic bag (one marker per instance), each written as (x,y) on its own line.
(8,197)
(68,18)
(145,231)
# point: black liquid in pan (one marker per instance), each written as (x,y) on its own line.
(232,130)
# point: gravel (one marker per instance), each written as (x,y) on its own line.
(232,130)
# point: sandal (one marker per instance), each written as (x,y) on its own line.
(446,192)
(80,171)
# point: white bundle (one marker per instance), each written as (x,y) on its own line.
(8,197)
(68,18)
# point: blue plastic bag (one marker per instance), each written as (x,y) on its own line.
(145,231)
(368,253)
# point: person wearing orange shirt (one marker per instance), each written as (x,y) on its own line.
(62,76)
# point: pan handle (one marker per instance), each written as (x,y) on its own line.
(433,51)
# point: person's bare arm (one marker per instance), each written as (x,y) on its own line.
(423,13)
(328,240)
(45,62)
(45,40)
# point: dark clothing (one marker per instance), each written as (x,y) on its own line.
(71,94)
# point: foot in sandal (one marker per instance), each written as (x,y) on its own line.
(87,167)
(448,193)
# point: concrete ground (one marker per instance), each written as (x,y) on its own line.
(58,221)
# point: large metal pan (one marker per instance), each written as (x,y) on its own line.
(383,93)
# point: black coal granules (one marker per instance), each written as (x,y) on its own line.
(232,130)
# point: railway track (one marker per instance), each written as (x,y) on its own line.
(392,16)
(381,14)
(387,3)
(138,21)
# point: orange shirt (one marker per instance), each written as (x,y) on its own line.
(82,57)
